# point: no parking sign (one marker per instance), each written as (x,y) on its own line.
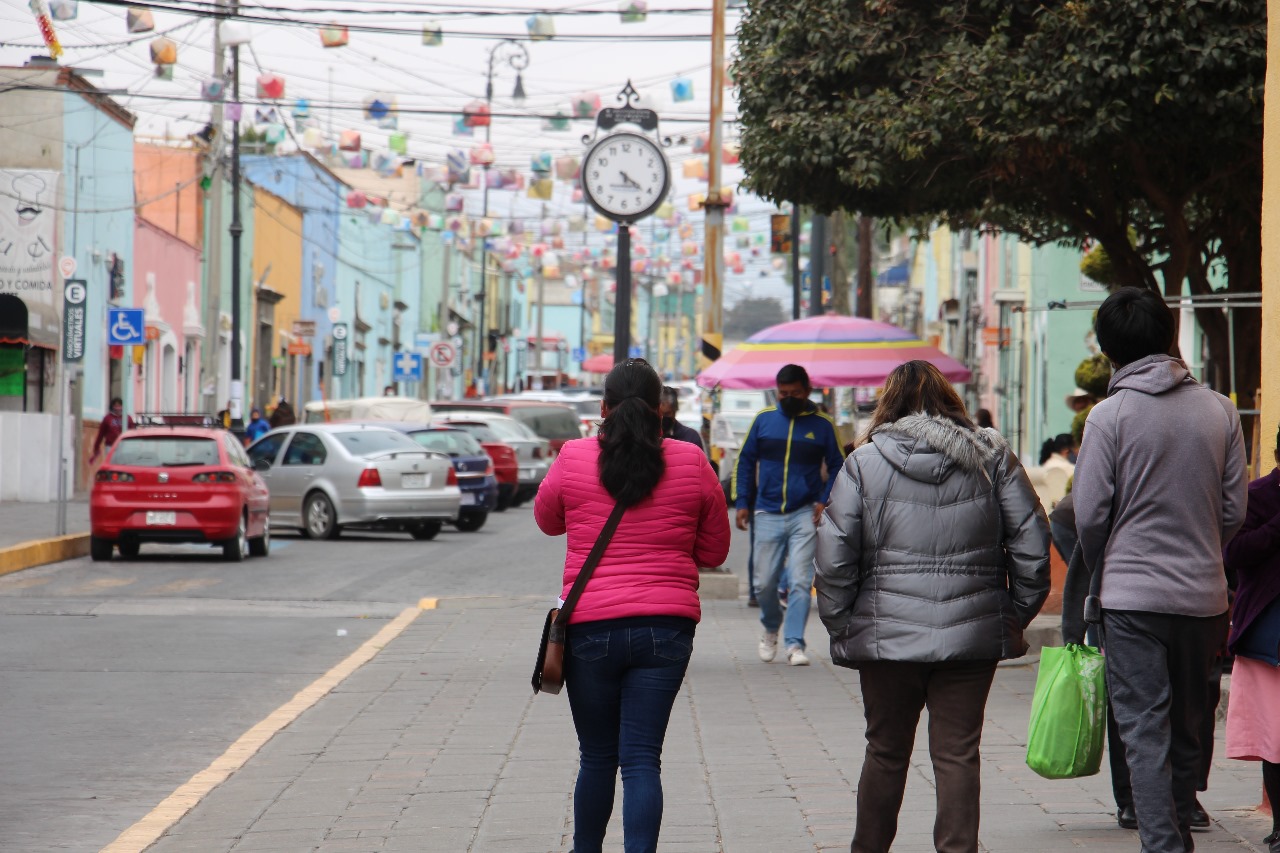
(443,354)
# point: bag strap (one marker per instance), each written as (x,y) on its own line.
(589,567)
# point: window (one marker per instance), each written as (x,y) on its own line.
(267,447)
(452,442)
(167,452)
(235,451)
(307,448)
(551,422)
(479,431)
(371,442)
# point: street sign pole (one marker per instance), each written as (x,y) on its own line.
(74,294)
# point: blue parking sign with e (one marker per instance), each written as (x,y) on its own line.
(126,327)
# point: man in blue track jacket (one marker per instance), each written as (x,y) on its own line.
(779,471)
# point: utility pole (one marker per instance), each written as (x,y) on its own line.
(713,256)
(237,229)
(795,262)
(442,328)
(818,253)
(213,281)
(862,306)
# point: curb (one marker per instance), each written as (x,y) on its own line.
(39,552)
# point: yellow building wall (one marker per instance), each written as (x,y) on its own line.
(277,244)
(1271,241)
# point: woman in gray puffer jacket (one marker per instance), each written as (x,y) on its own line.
(932,558)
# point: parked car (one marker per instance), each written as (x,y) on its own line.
(532,451)
(325,478)
(556,422)
(367,409)
(506,461)
(473,466)
(178,484)
(587,406)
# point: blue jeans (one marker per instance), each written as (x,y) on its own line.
(622,684)
(785,542)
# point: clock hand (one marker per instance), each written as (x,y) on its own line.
(627,179)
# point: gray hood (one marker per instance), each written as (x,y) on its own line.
(1154,374)
(928,448)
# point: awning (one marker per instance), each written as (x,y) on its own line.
(33,324)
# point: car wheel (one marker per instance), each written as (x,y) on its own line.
(129,550)
(427,530)
(235,548)
(471,522)
(260,546)
(320,518)
(99,549)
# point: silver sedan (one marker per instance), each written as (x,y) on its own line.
(327,477)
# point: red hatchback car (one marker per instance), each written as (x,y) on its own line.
(178,484)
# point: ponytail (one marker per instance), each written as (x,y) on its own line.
(631,460)
(1047,450)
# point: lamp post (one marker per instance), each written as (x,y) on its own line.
(514,54)
(236,229)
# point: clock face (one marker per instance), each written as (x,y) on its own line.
(625,176)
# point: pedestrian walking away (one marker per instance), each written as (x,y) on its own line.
(1253,556)
(780,472)
(1159,489)
(932,559)
(109,429)
(631,635)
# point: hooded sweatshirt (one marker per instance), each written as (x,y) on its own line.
(1160,488)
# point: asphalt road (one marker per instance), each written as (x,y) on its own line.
(119,681)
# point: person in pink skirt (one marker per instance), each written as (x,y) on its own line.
(1253,726)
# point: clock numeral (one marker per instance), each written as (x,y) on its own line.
(613,150)
(654,176)
(624,204)
(600,188)
(626,146)
(649,191)
(604,161)
(595,173)
(610,200)
(651,162)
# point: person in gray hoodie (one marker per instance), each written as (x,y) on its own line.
(1159,489)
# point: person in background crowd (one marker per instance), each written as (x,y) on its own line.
(983,419)
(257,426)
(1253,715)
(109,429)
(932,559)
(283,415)
(1055,470)
(631,635)
(789,443)
(389,391)
(672,428)
(1159,491)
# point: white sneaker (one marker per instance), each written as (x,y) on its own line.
(797,657)
(768,646)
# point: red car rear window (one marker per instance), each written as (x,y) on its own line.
(165,452)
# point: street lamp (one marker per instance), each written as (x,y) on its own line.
(515,55)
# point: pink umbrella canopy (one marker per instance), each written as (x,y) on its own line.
(602,363)
(838,352)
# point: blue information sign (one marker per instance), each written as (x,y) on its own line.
(407,367)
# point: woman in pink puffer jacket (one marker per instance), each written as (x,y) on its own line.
(631,635)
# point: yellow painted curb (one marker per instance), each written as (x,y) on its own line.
(173,808)
(28,555)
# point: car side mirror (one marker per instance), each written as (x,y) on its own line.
(261,465)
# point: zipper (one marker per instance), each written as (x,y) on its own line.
(786,462)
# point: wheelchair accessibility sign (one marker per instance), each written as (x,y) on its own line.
(126,327)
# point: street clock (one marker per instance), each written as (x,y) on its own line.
(626,176)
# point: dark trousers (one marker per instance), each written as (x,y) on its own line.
(893,694)
(622,684)
(1158,667)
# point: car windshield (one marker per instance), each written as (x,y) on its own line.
(454,442)
(589,407)
(512,429)
(165,452)
(550,422)
(371,442)
(479,431)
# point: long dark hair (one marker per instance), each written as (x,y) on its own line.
(915,387)
(631,462)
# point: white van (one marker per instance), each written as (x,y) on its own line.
(368,409)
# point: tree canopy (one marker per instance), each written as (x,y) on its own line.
(1049,119)
(751,314)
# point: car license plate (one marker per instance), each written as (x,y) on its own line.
(526,472)
(468,499)
(413,481)
(162,518)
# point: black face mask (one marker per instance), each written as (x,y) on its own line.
(793,407)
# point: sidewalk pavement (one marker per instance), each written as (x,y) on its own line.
(29,533)
(438,745)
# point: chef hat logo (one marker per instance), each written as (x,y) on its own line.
(28,188)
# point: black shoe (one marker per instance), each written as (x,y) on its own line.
(751,602)
(1200,819)
(1273,842)
(1127,817)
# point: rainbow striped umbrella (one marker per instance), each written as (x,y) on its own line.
(838,352)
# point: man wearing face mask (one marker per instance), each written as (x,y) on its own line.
(668,403)
(779,471)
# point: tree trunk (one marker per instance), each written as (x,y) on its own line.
(865,284)
(839,264)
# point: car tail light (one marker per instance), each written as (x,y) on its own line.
(369,478)
(214,477)
(453,477)
(488,469)
(113,477)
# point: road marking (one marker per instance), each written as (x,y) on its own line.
(428,603)
(173,808)
(99,585)
(185,585)
(25,583)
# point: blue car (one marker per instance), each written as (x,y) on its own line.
(473,466)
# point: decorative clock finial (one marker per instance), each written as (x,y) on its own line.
(628,95)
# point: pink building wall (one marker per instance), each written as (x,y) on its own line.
(166,284)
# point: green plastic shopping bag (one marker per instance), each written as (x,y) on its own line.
(1068,713)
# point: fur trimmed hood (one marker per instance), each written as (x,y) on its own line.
(929,447)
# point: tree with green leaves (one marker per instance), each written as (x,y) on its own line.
(752,314)
(1054,120)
